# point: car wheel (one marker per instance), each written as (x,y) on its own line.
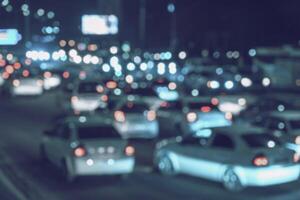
(69,177)
(231,181)
(43,155)
(165,166)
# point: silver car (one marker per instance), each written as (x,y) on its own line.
(83,146)
(135,119)
(237,157)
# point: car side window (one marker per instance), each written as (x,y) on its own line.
(223,141)
(197,141)
(277,125)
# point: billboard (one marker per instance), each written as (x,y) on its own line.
(9,36)
(99,24)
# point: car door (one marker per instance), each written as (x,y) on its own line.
(58,143)
(194,158)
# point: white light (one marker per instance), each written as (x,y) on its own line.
(161,68)
(137,59)
(40,12)
(150,64)
(242,101)
(95,60)
(219,71)
(89,162)
(105,67)
(72,52)
(252,52)
(229,85)
(195,92)
(214,84)
(55,55)
(87,59)
(172,68)
(182,55)
(131,66)
(271,144)
(114,61)
(129,79)
(143,66)
(113,50)
(266,82)
(281,108)
(246,82)
(82,119)
(77,59)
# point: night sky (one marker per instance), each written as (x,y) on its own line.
(213,24)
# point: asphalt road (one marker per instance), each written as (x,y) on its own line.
(22,121)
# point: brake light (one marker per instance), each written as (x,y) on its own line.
(119,116)
(215,101)
(296,157)
(151,115)
(66,74)
(129,151)
(260,161)
(111,85)
(47,75)
(164,104)
(74,99)
(297,140)
(26,73)
(104,98)
(80,152)
(205,109)
(191,117)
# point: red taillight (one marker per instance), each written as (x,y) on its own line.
(151,115)
(119,116)
(80,152)
(129,151)
(260,161)
(296,157)
(205,109)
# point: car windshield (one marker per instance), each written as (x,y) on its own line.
(88,87)
(97,132)
(295,124)
(261,140)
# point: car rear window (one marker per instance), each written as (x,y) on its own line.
(261,140)
(134,107)
(97,132)
(201,105)
(142,92)
(88,87)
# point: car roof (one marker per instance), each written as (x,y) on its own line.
(288,115)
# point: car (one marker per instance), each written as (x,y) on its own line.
(51,80)
(29,85)
(284,125)
(146,94)
(166,90)
(84,146)
(236,156)
(88,96)
(201,113)
(135,119)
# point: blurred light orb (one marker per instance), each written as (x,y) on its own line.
(182,55)
(229,85)
(171,8)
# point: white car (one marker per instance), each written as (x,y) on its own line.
(201,113)
(51,80)
(88,96)
(29,86)
(236,157)
(83,146)
(135,119)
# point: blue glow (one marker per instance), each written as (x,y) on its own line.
(9,36)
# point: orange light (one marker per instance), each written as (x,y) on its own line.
(215,101)
(5,75)
(47,74)
(66,74)
(260,161)
(151,115)
(104,98)
(119,116)
(129,151)
(9,69)
(79,152)
(205,109)
(17,65)
(25,73)
(2,63)
(111,85)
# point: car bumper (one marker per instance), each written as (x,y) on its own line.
(111,166)
(271,175)
(136,130)
(24,91)
(82,105)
